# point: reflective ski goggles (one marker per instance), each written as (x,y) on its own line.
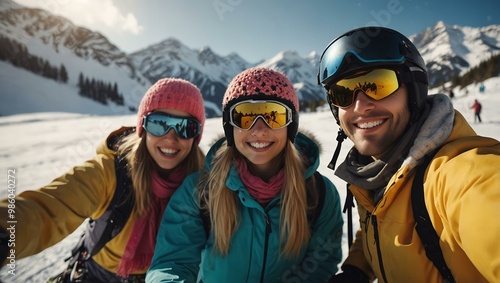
(376,84)
(244,115)
(158,124)
(368,45)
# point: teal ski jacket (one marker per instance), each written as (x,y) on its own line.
(184,253)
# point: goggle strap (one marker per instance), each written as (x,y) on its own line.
(414,74)
(419,75)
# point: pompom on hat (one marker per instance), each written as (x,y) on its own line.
(173,93)
(260,84)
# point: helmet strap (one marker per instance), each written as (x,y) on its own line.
(341,136)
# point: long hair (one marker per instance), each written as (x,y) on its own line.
(140,164)
(221,202)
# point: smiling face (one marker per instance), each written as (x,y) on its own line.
(169,150)
(374,126)
(262,146)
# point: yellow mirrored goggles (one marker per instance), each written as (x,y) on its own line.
(376,84)
(243,115)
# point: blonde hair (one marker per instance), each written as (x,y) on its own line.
(140,164)
(221,202)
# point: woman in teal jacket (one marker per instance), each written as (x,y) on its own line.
(257,190)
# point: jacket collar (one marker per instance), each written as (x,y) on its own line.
(434,131)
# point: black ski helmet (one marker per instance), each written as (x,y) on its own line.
(367,48)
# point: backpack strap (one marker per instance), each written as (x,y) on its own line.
(425,230)
(100,231)
(348,206)
(311,217)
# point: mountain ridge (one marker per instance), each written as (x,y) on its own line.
(448,51)
(465,48)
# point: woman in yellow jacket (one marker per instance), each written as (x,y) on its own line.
(158,153)
(376,84)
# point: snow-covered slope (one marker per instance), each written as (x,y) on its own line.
(42,146)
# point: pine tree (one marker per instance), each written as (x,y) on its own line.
(80,82)
(63,74)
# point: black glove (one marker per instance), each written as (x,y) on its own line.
(350,274)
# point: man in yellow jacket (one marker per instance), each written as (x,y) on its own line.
(376,83)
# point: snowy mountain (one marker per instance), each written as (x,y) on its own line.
(453,50)
(209,71)
(80,50)
(301,72)
(447,51)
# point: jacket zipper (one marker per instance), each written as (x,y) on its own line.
(379,253)
(367,223)
(266,244)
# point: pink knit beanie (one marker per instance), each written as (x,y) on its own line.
(173,93)
(265,81)
(260,84)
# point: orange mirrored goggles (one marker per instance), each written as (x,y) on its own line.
(244,115)
(376,84)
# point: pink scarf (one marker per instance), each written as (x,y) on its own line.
(259,189)
(140,246)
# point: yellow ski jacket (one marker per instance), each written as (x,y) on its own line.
(463,203)
(47,215)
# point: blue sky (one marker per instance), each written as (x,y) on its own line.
(259,29)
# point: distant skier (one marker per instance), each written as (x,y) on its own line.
(477,110)
(452,94)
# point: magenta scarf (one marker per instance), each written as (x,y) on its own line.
(259,189)
(140,246)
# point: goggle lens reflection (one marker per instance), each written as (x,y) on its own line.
(377,84)
(275,114)
(158,124)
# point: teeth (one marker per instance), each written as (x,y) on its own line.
(168,151)
(370,124)
(260,144)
